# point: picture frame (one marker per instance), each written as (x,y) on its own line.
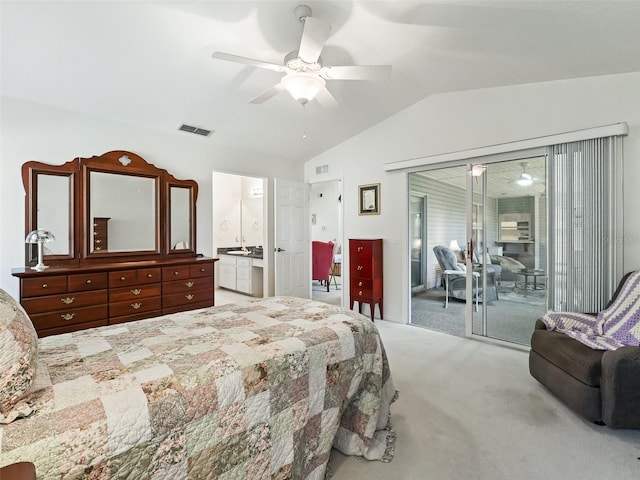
(369,199)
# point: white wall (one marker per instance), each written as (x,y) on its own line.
(35,132)
(325,205)
(466,120)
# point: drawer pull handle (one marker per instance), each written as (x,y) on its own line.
(360,293)
(89,282)
(98,248)
(68,316)
(189,284)
(67,300)
(136,306)
(95,224)
(149,275)
(136,291)
(95,233)
(123,278)
(359,284)
(202,270)
(44,285)
(360,249)
(189,296)
(176,273)
(360,267)
(98,241)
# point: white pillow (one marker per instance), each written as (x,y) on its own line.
(18,356)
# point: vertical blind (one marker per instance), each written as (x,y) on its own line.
(584,188)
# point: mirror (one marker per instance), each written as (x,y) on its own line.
(112,207)
(53,212)
(49,203)
(251,221)
(122,209)
(180,218)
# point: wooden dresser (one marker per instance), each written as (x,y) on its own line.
(101,233)
(66,299)
(365,273)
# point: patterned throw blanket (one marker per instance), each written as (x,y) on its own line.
(612,328)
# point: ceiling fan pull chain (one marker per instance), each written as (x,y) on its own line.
(304,121)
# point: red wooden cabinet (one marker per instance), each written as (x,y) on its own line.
(365,273)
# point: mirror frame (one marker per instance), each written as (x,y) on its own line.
(81,226)
(192,186)
(30,172)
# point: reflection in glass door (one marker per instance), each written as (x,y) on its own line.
(484,223)
(507,226)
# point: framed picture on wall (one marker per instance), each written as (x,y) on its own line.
(369,199)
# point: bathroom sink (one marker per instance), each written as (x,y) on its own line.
(237,252)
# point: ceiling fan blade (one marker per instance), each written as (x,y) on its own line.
(247,61)
(326,99)
(357,72)
(314,35)
(264,96)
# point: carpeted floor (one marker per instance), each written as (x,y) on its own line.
(469,410)
(510,318)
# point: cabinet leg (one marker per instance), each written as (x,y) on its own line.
(380,307)
(372,306)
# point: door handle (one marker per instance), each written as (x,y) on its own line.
(280,249)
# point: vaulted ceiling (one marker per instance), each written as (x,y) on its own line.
(149,63)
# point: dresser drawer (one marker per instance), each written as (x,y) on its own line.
(196,296)
(361,293)
(32,287)
(360,268)
(201,270)
(88,281)
(175,273)
(361,249)
(361,283)
(123,278)
(69,317)
(65,301)
(130,307)
(149,275)
(134,292)
(178,286)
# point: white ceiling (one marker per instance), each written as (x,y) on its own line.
(501,177)
(149,63)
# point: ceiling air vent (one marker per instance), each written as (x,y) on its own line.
(195,130)
(320,169)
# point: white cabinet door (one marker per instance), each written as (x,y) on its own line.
(227,272)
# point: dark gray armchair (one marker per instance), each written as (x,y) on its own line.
(458,283)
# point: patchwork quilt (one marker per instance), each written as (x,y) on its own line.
(253,390)
(616,326)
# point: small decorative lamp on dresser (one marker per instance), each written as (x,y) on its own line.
(365,273)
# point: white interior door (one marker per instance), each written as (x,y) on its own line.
(292,239)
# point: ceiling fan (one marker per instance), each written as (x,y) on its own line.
(305,75)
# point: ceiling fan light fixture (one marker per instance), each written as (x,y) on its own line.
(525,180)
(303,87)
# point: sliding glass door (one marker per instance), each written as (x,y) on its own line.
(507,231)
(481,239)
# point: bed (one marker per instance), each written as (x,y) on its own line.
(253,390)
